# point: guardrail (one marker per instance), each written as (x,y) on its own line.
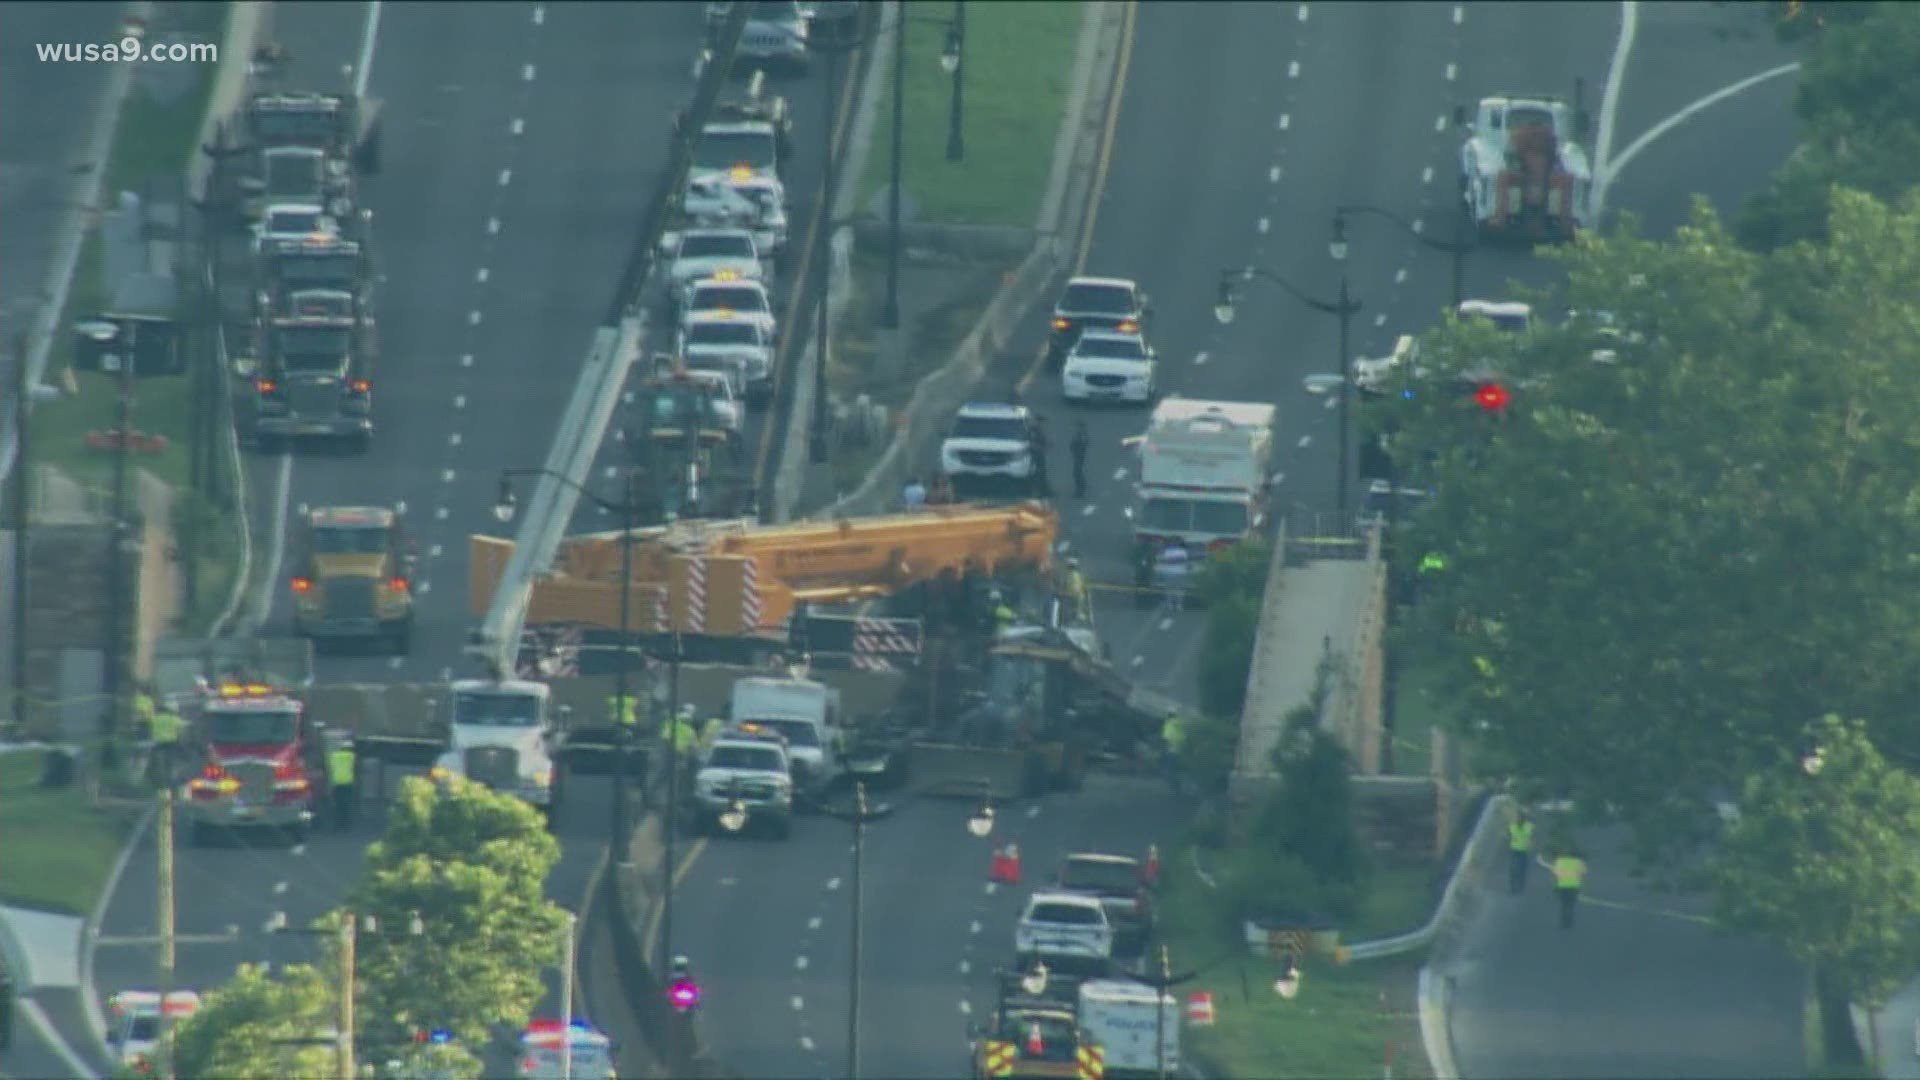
(1482,847)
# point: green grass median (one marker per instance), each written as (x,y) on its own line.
(56,847)
(1018,66)
(1347,1020)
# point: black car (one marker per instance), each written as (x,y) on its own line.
(1094,303)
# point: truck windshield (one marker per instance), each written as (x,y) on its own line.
(143,1029)
(251,728)
(746,758)
(314,348)
(279,126)
(496,710)
(796,732)
(1101,877)
(726,149)
(1065,914)
(1086,299)
(318,269)
(717,246)
(348,540)
(990,427)
(719,334)
(1191,515)
(730,297)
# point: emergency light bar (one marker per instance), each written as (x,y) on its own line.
(232,690)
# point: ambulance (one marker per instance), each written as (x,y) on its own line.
(134,1019)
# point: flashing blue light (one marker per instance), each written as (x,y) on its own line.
(582,1025)
(1407,394)
(440,1035)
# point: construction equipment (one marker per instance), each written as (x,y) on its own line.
(739,578)
(323,275)
(688,460)
(355,576)
(1523,174)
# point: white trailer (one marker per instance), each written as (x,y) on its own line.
(1117,1015)
(1203,473)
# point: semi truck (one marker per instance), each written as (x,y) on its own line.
(1203,474)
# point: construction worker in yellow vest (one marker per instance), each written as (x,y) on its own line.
(623,713)
(710,731)
(143,710)
(168,729)
(1569,874)
(1173,739)
(1003,615)
(1520,847)
(341,781)
(1074,591)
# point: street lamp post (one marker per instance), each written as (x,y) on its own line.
(1226,306)
(1457,249)
(950,62)
(957,49)
(503,509)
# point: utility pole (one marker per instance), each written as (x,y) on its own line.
(116,548)
(165,893)
(1160,1013)
(21,531)
(669,820)
(347,929)
(853,966)
(566,998)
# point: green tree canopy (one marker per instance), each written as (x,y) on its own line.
(1859,108)
(1826,860)
(241,1028)
(471,864)
(1231,584)
(1661,567)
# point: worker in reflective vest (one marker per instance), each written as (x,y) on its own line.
(1520,848)
(710,731)
(341,779)
(1003,615)
(167,731)
(1569,874)
(1074,589)
(143,710)
(623,713)
(1173,739)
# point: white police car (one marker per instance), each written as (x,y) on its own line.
(543,1041)
(989,440)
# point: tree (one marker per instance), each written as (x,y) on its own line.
(1859,108)
(1231,585)
(1659,568)
(1825,859)
(241,1029)
(471,864)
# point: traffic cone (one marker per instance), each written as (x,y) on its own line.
(1150,874)
(1006,865)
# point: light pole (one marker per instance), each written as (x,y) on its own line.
(570,928)
(957,49)
(830,38)
(1225,308)
(503,509)
(347,934)
(1458,248)
(949,62)
(980,824)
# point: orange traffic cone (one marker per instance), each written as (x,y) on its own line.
(1150,873)
(1036,1042)
(1006,865)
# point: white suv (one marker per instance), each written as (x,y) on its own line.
(751,771)
(1108,365)
(742,347)
(1063,924)
(989,441)
(743,299)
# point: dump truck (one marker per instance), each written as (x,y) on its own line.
(1523,174)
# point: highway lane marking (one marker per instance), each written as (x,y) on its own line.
(1400,276)
(966,1007)
(1137,661)
(973,927)
(1279,477)
(473,317)
(453,439)
(434,552)
(1293,69)
(1453,71)
(1330,403)
(1440,122)
(1119,474)
(279,888)
(394,663)
(1419,225)
(797,1003)
(1304,440)
(1273,175)
(506,177)
(369,38)
(1200,358)
(480,276)
(526,73)
(1264,226)
(966,967)
(1033,812)
(800,963)
(1616,79)
(1380,319)
(1166,624)
(1426,175)
(1102,163)
(277,547)
(1606,177)
(1087,511)
(424,588)
(832,884)
(440,513)
(610,472)
(459,401)
(1459,13)
(539,15)
(813,923)
(1644,910)
(466,360)
(1285,121)
(992,887)
(806,1043)
(493,226)
(1303,13)
(519,126)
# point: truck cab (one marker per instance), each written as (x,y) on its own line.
(1203,474)
(1030,1038)
(806,714)
(502,733)
(287,269)
(261,766)
(355,577)
(134,1019)
(1522,170)
(315,380)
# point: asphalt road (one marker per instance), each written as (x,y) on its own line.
(567,194)
(1642,987)
(40,146)
(774,964)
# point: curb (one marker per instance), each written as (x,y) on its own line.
(1060,221)
(90,929)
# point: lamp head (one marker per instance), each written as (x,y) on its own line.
(1223,303)
(981,823)
(1337,247)
(1288,984)
(504,503)
(950,56)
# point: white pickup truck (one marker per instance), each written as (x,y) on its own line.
(1063,925)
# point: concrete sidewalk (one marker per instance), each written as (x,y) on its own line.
(1898,1024)
(1313,616)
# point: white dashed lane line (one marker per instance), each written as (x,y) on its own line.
(493,226)
(799,963)
(526,73)
(539,15)
(480,276)
(1285,121)
(1293,69)
(1303,13)
(519,126)
(506,177)
(798,1003)
(813,923)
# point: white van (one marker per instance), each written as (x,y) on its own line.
(1117,1015)
(805,713)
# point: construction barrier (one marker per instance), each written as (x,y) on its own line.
(1200,1009)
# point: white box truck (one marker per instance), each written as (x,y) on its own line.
(1203,474)
(806,713)
(1117,1015)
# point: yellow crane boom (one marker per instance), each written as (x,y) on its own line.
(741,578)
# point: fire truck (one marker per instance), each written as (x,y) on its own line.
(261,765)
